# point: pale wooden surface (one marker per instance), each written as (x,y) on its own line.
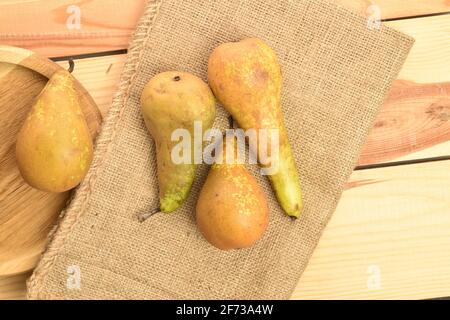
(391,9)
(107,24)
(392,220)
(26,214)
(395,221)
(429,61)
(414,121)
(411,124)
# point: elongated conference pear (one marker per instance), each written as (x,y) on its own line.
(246,78)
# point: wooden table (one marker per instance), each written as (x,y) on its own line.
(390,235)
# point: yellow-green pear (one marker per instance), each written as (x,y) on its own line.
(171,101)
(54,147)
(232,210)
(246,78)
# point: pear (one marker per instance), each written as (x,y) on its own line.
(232,210)
(246,79)
(54,147)
(175,100)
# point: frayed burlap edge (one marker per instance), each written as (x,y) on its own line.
(102,146)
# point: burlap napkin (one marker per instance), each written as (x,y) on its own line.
(337,73)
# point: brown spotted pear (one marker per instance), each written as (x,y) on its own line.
(172,101)
(232,210)
(54,147)
(246,78)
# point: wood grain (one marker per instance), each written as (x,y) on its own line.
(26,214)
(428,60)
(13,287)
(394,220)
(414,117)
(104,25)
(107,24)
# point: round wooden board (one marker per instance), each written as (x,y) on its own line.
(26,214)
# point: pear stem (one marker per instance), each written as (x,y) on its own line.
(71,65)
(145,215)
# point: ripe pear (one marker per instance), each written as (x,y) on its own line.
(246,79)
(54,147)
(232,210)
(175,100)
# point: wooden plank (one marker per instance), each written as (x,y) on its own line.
(428,61)
(415,118)
(50,27)
(107,24)
(392,225)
